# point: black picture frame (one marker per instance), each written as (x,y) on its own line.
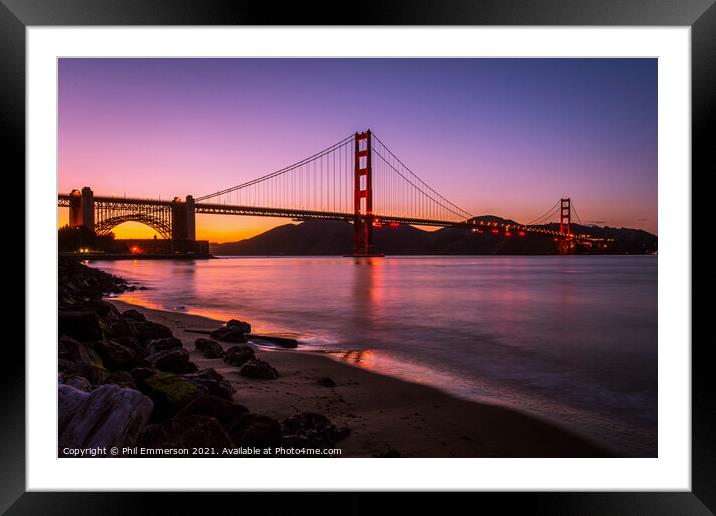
(17,15)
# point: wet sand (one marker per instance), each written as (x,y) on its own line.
(382,412)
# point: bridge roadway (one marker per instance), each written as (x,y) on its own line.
(63,200)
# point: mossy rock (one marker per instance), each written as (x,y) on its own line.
(78,352)
(94,374)
(96,360)
(116,355)
(177,389)
(170,393)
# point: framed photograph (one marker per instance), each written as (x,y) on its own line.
(447,248)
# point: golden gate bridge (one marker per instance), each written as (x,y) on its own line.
(357,179)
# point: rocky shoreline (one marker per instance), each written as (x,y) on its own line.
(151,382)
(126,383)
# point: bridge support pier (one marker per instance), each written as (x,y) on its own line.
(363,197)
(190,218)
(183,223)
(183,219)
(82,208)
(75,209)
(363,237)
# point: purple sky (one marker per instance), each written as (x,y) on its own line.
(507,137)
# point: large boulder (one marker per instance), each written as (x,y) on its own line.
(172,360)
(255,430)
(140,373)
(213,382)
(118,328)
(79,323)
(102,308)
(116,354)
(257,368)
(121,378)
(78,352)
(209,348)
(131,343)
(156,345)
(194,431)
(133,315)
(148,330)
(224,411)
(108,416)
(78,382)
(239,355)
(228,334)
(94,374)
(169,392)
(201,343)
(311,430)
(240,325)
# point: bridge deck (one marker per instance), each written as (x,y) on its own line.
(63,200)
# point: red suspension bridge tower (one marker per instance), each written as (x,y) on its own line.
(565,217)
(566,245)
(363,196)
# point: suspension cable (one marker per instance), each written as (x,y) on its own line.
(548,213)
(461,215)
(575,213)
(465,212)
(270,175)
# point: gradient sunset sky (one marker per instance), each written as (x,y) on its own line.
(506,137)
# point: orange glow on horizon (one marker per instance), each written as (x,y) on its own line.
(214,228)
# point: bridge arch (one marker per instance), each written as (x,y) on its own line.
(159,225)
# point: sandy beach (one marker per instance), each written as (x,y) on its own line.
(384,414)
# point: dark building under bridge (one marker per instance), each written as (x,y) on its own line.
(160,246)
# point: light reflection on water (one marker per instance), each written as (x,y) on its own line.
(572,339)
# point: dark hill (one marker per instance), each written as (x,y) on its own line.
(336,238)
(626,240)
(310,237)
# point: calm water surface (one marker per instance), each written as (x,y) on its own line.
(571,339)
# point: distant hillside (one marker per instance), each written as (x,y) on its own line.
(626,241)
(336,238)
